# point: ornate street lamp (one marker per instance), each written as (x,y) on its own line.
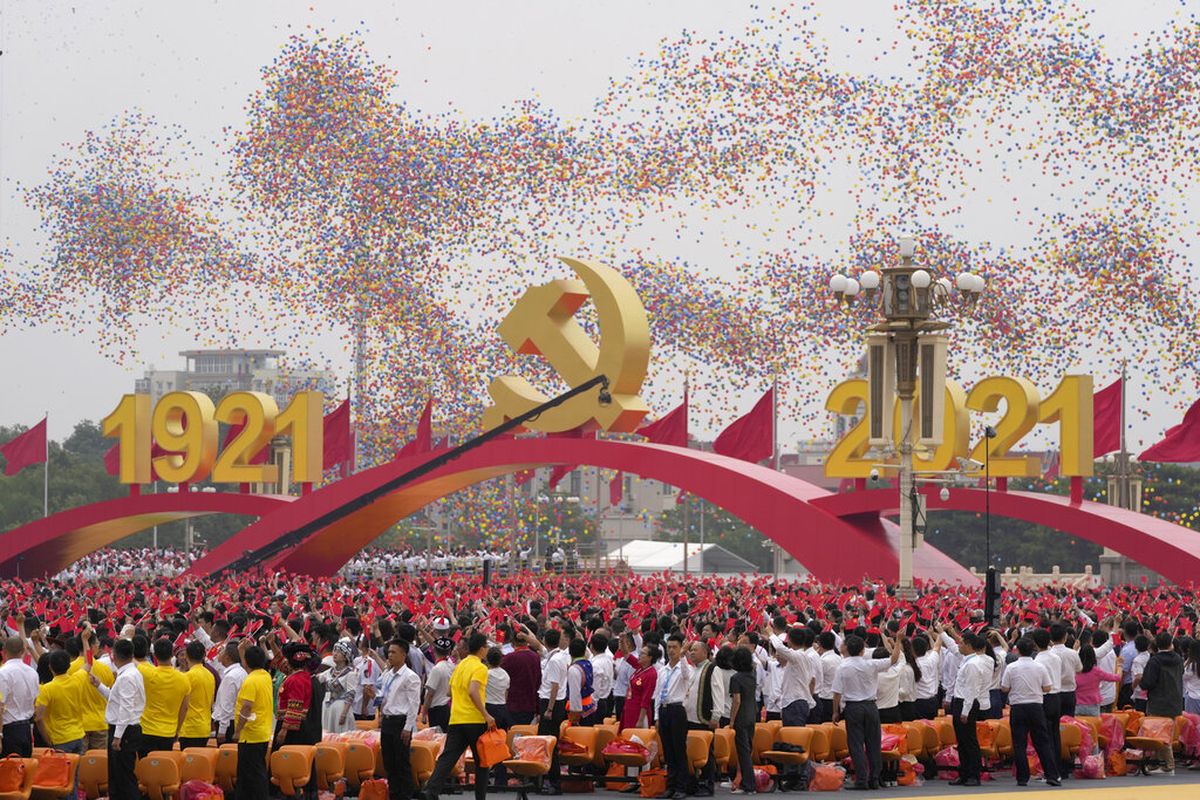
(906,351)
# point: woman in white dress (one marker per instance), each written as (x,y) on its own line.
(341,687)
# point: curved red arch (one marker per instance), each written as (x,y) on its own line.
(49,545)
(1171,550)
(777,504)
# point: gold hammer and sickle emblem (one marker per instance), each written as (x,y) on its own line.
(543,323)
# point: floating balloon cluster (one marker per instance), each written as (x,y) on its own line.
(415,232)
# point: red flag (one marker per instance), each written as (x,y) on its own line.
(1181,444)
(672,428)
(112,460)
(559,472)
(1106,419)
(423,442)
(524,476)
(28,448)
(616,489)
(1050,468)
(750,438)
(339,441)
(562,470)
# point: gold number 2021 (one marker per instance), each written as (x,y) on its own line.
(185,426)
(1069,405)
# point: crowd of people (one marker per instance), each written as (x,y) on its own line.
(132,562)
(136,664)
(379,562)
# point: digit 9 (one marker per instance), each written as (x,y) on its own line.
(185,425)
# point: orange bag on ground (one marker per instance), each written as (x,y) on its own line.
(12,774)
(615,771)
(827,778)
(652,782)
(52,770)
(492,748)
(1115,763)
(374,789)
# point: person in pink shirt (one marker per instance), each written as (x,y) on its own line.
(1087,683)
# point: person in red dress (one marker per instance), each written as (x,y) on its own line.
(639,703)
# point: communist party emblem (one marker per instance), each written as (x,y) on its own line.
(543,323)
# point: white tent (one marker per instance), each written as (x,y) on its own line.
(646,556)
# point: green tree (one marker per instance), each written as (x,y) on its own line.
(720,527)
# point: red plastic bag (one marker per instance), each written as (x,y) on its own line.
(200,790)
(1092,767)
(1112,729)
(1161,728)
(1087,744)
(827,778)
(533,748)
(374,789)
(1189,737)
(567,747)
(946,760)
(889,742)
(625,747)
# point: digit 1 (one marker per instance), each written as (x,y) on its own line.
(1071,407)
(129,425)
(302,420)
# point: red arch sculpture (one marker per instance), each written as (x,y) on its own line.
(1171,550)
(779,505)
(49,545)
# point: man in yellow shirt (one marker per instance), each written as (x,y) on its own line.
(59,706)
(197,726)
(167,691)
(469,719)
(253,724)
(94,725)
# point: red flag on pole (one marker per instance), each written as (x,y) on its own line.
(1106,419)
(1181,444)
(423,442)
(616,489)
(339,441)
(671,428)
(750,438)
(27,449)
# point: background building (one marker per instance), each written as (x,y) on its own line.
(218,372)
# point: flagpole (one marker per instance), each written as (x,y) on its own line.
(686,515)
(46,472)
(775,450)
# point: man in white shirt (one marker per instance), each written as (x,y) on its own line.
(233,674)
(1051,702)
(702,703)
(855,685)
(972,697)
(603,675)
(400,701)
(126,703)
(795,689)
(18,694)
(552,701)
(829,659)
(672,687)
(1027,682)
(1070,666)
(437,685)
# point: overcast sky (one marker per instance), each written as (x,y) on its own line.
(69,67)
